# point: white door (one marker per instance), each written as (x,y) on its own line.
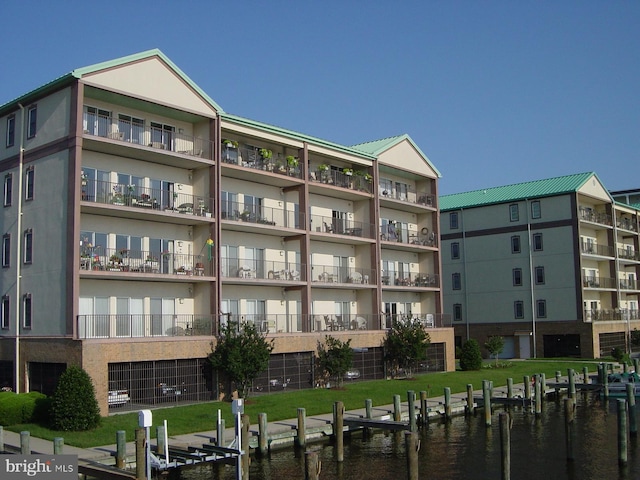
(525,346)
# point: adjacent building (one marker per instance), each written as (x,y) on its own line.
(138,217)
(550,265)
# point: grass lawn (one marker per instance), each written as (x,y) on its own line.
(280,406)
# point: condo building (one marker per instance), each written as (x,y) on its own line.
(549,265)
(139,217)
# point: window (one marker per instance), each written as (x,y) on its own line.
(535,209)
(457,312)
(6,250)
(8,189)
(96,121)
(539,275)
(455,250)
(11,130)
(537,242)
(27,319)
(455,281)
(518,309)
(29,180)
(28,246)
(514,214)
(5,312)
(32,117)
(131,129)
(453,220)
(541,308)
(515,244)
(517,277)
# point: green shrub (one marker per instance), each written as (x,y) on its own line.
(21,408)
(471,357)
(74,406)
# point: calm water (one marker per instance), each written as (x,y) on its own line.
(465,449)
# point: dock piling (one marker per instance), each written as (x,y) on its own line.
(527,387)
(447,403)
(312,466)
(569,417)
(424,409)
(412,445)
(486,394)
(58,446)
(572,382)
(470,403)
(622,431)
(25,443)
(141,453)
(338,429)
(411,403)
(301,436)
(633,417)
(368,411)
(263,436)
(397,411)
(121,448)
(509,387)
(505,445)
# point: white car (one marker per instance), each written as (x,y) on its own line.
(118,397)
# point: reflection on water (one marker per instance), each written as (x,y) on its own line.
(465,448)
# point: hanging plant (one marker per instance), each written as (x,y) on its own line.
(230,143)
(266,153)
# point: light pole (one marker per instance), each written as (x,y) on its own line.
(19,251)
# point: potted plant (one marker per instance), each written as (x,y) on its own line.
(292,161)
(323,168)
(83,179)
(347,171)
(229,143)
(266,154)
(368,177)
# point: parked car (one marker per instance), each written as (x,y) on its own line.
(170,390)
(352,374)
(118,396)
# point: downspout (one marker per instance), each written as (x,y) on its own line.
(19,250)
(531,280)
(464,275)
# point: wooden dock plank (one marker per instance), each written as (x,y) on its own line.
(371,423)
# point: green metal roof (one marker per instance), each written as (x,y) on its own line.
(376,147)
(518,191)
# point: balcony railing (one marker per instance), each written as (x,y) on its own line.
(139,134)
(412,279)
(331,274)
(341,226)
(143,197)
(596,249)
(616,314)
(113,260)
(628,284)
(144,325)
(353,181)
(429,320)
(250,158)
(409,195)
(626,254)
(264,270)
(251,213)
(627,224)
(590,215)
(394,233)
(599,282)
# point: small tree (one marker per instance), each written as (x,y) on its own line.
(405,345)
(495,345)
(335,358)
(241,353)
(471,357)
(74,406)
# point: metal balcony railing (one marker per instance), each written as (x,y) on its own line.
(262,269)
(408,195)
(628,284)
(616,314)
(137,133)
(331,274)
(159,263)
(628,254)
(341,226)
(251,158)
(590,215)
(627,224)
(411,279)
(599,282)
(251,213)
(147,198)
(144,325)
(596,249)
(357,180)
(394,233)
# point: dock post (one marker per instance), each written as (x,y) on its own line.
(636,365)
(25,446)
(141,453)
(160,440)
(605,384)
(301,438)
(220,428)
(121,448)
(470,407)
(633,418)
(527,387)
(505,446)
(509,387)
(557,382)
(411,404)
(622,431)
(312,466)
(585,375)
(447,403)
(412,445)
(569,417)
(397,412)
(486,395)
(625,367)
(543,381)
(246,456)
(424,409)
(58,446)
(538,394)
(338,430)
(263,435)
(368,409)
(1,438)
(572,382)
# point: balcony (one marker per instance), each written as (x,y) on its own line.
(424,280)
(628,254)
(339,226)
(357,181)
(628,284)
(599,282)
(595,249)
(106,261)
(616,314)
(627,224)
(590,215)
(428,320)
(390,196)
(144,325)
(251,158)
(259,216)
(393,234)
(247,269)
(327,274)
(144,199)
(136,133)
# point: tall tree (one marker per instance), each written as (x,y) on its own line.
(241,353)
(335,358)
(405,345)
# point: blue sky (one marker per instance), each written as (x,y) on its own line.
(493,92)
